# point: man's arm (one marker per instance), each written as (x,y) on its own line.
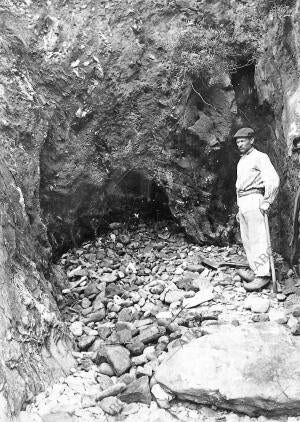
(270,179)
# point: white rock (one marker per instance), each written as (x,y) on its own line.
(76,328)
(200,297)
(150,353)
(179,271)
(232,417)
(260,305)
(278,315)
(175,305)
(90,332)
(163,398)
(106,369)
(293,324)
(174,296)
(144,370)
(142,302)
(162,357)
(164,315)
(248,301)
(248,354)
(135,297)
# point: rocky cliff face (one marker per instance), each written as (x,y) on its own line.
(33,347)
(277,82)
(100,121)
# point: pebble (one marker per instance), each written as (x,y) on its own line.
(278,315)
(294,325)
(281,297)
(260,305)
(106,369)
(85,303)
(296,311)
(76,328)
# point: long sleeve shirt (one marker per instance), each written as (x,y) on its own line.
(255,171)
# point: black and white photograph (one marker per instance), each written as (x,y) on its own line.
(149,210)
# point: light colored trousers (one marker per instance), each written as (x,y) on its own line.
(253,234)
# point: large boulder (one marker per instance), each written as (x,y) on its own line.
(253,369)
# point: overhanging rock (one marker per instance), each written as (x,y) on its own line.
(253,369)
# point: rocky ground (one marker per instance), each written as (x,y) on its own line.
(132,298)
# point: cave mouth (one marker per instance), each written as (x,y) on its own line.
(128,198)
(133,196)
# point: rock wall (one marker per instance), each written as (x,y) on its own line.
(33,347)
(277,83)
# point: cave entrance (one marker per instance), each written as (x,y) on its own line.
(128,197)
(132,196)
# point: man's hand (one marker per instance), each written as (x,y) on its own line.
(264,207)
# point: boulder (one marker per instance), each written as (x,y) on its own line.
(252,369)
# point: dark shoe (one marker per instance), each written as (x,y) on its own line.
(257,284)
(246,275)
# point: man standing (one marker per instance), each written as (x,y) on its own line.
(257,186)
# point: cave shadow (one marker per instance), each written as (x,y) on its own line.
(128,197)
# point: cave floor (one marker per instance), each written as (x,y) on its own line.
(137,293)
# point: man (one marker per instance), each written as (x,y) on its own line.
(257,186)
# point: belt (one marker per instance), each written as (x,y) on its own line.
(250,192)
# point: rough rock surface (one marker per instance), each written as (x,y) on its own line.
(33,344)
(252,369)
(33,347)
(277,84)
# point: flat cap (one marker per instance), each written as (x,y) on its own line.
(245,132)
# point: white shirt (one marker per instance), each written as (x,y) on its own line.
(255,171)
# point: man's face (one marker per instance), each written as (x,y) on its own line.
(244,144)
